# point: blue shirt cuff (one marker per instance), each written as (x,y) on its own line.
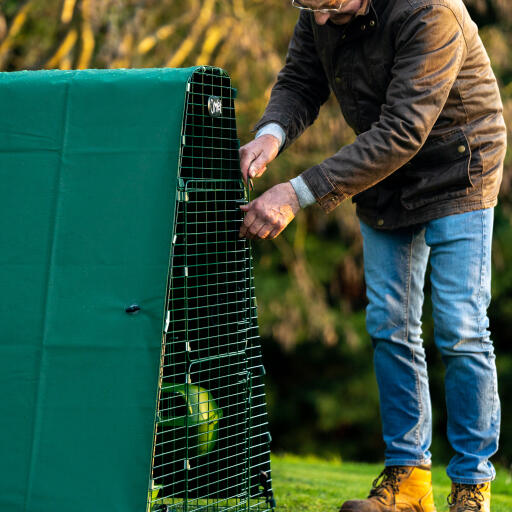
(304,194)
(273,129)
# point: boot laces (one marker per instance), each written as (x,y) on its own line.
(469,496)
(387,482)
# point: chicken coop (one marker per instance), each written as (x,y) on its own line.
(130,365)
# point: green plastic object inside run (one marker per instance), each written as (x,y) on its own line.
(202,415)
(88,169)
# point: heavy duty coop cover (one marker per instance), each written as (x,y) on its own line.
(130,369)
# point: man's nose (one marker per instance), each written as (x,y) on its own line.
(321,17)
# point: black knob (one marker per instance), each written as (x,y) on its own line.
(134,308)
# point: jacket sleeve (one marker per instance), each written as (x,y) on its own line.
(430,51)
(301,86)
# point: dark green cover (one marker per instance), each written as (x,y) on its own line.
(88,164)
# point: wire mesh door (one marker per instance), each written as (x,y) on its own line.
(211,447)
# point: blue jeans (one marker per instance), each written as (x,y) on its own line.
(395,262)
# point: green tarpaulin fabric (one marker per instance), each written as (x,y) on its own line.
(88,163)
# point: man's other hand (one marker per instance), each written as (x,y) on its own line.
(269,214)
(256,155)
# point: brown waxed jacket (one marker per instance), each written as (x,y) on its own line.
(414,82)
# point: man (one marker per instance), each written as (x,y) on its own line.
(414,82)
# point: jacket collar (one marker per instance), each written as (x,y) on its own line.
(358,27)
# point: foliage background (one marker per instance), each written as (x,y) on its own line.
(322,392)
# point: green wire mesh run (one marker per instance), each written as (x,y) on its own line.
(211,444)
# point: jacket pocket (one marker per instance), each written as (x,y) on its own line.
(438,172)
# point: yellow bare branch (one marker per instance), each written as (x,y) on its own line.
(189,43)
(147,44)
(66,63)
(16,26)
(125,51)
(165,32)
(63,50)
(225,52)
(88,41)
(3,26)
(214,35)
(87,9)
(67,11)
(239,8)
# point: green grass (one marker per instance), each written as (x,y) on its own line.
(310,484)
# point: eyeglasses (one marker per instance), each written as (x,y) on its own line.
(299,5)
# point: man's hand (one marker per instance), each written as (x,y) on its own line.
(256,155)
(270,213)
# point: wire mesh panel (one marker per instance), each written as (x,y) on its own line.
(211,445)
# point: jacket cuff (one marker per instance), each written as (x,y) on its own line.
(326,193)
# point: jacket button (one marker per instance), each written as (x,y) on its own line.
(344,36)
(338,80)
(372,23)
(380,222)
(461,149)
(363,27)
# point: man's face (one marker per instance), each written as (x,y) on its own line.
(346,11)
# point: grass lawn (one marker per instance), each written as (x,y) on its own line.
(309,484)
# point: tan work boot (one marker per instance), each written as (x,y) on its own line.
(397,489)
(470,498)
